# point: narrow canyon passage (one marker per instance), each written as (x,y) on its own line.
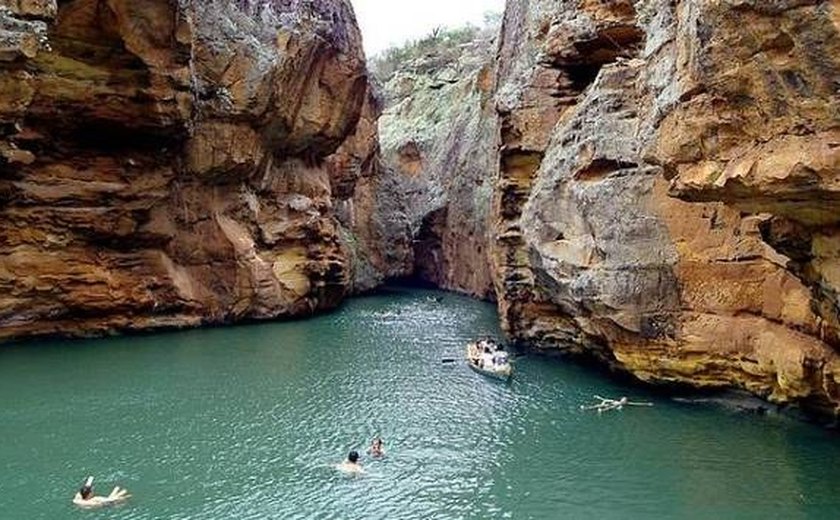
(647,184)
(652,184)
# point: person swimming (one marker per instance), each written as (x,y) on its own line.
(86,497)
(351,465)
(377,448)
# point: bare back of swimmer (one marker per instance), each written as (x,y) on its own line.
(86,497)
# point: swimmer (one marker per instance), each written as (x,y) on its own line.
(86,498)
(351,465)
(377,448)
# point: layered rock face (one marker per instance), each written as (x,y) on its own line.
(370,206)
(666,194)
(163,163)
(438,134)
(651,183)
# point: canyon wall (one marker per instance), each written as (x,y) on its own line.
(650,183)
(168,163)
(370,205)
(438,135)
(663,185)
(666,192)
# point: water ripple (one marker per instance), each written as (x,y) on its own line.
(249,422)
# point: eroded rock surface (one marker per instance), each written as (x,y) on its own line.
(439,137)
(370,205)
(666,191)
(162,163)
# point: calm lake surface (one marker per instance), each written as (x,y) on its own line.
(246,422)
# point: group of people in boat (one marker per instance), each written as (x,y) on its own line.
(487,354)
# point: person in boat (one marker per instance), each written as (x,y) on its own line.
(500,357)
(351,465)
(475,355)
(377,448)
(486,358)
(87,498)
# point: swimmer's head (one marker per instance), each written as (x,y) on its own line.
(86,491)
(353,456)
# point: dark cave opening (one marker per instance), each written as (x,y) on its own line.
(582,75)
(429,260)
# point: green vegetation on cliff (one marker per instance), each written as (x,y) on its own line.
(438,48)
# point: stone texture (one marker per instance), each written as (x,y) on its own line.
(666,194)
(438,134)
(163,164)
(370,205)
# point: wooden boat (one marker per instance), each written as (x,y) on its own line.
(499,369)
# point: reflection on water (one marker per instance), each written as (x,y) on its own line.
(248,422)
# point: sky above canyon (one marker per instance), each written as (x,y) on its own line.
(386,23)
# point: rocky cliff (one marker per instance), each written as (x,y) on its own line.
(664,186)
(370,205)
(650,183)
(438,135)
(166,163)
(666,193)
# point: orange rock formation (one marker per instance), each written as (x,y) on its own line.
(667,190)
(162,164)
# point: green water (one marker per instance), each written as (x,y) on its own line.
(246,422)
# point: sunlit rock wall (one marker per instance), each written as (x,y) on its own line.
(163,163)
(666,194)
